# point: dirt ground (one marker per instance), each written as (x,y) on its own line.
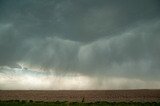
(85,95)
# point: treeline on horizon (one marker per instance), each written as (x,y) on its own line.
(66,103)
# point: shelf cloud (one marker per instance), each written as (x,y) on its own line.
(100,41)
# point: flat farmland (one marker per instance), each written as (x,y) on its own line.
(82,95)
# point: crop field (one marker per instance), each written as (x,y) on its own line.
(83,97)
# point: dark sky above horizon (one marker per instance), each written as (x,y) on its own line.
(79,44)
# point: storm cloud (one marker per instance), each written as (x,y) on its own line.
(101,39)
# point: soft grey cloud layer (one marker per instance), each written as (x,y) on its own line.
(103,39)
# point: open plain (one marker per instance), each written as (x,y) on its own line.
(82,95)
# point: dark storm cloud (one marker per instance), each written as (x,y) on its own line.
(80,20)
(119,38)
(135,53)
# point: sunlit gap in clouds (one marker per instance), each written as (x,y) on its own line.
(29,78)
(32,79)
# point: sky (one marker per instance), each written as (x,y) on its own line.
(79,44)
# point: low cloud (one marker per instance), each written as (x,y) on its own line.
(17,79)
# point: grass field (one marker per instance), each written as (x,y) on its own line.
(57,103)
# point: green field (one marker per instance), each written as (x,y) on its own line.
(65,103)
